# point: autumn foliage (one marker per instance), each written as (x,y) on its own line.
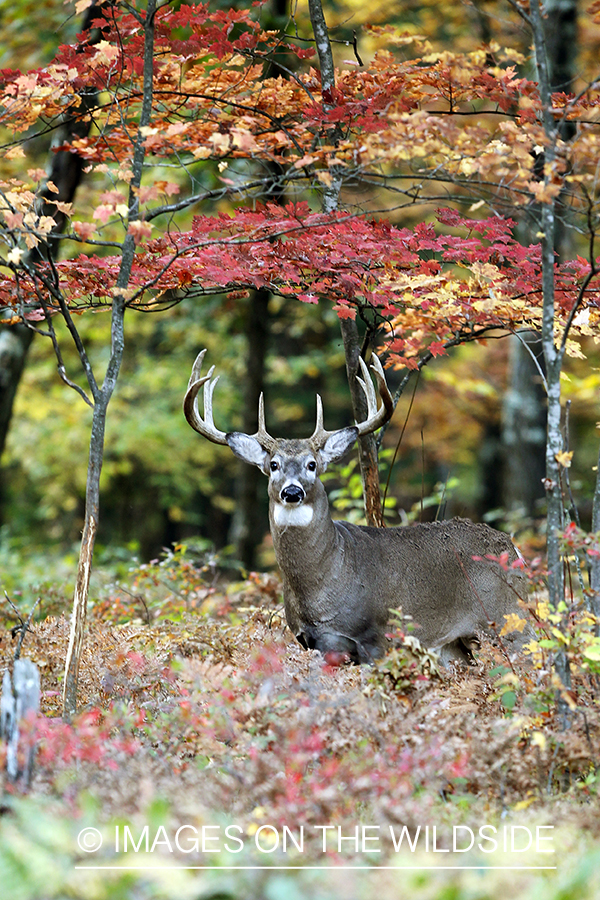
(467,121)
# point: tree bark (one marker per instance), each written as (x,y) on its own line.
(14,344)
(20,697)
(595,561)
(102,396)
(524,408)
(553,353)
(249,521)
(246,527)
(369,467)
(367,445)
(524,428)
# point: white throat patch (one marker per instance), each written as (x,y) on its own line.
(286,515)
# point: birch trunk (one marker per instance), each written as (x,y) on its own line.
(367,446)
(553,350)
(103,395)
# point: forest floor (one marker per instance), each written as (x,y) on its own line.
(213,757)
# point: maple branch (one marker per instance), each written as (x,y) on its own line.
(226,101)
(52,286)
(527,346)
(581,295)
(220,193)
(51,333)
(265,57)
(517,6)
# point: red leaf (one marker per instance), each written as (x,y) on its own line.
(437,349)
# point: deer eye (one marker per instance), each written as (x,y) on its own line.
(274,465)
(311,466)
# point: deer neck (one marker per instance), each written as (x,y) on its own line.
(306,540)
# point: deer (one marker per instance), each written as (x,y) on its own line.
(341,580)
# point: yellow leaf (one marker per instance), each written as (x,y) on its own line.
(221,142)
(523,804)
(573,348)
(564,459)
(514,622)
(45,224)
(543,610)
(538,739)
(324,177)
(14,256)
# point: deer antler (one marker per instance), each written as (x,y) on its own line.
(262,435)
(319,435)
(206,426)
(375,417)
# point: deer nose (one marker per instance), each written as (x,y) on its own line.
(292,493)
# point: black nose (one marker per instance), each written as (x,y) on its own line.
(293,493)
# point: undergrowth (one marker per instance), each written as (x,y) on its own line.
(200,711)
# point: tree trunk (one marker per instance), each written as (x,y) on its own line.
(367,445)
(103,396)
(553,353)
(14,344)
(86,551)
(20,698)
(524,428)
(369,467)
(524,409)
(247,521)
(595,561)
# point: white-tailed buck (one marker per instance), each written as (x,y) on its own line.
(341,580)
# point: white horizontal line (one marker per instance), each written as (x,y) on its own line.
(328,868)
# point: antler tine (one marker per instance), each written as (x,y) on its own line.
(206,426)
(319,424)
(367,386)
(262,435)
(375,417)
(319,435)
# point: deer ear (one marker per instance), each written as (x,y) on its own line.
(248,448)
(337,445)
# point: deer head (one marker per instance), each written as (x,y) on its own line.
(293,466)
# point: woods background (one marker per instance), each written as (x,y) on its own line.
(475,436)
(176,177)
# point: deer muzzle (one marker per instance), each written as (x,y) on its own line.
(292,493)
